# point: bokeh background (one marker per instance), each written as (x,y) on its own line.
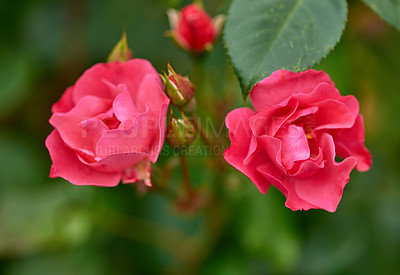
(49,226)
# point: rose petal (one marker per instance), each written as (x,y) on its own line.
(144,136)
(294,145)
(324,189)
(92,130)
(94,80)
(251,151)
(69,125)
(240,136)
(123,106)
(272,147)
(321,93)
(67,165)
(333,114)
(239,130)
(308,168)
(350,142)
(135,139)
(282,84)
(269,120)
(115,162)
(150,92)
(158,142)
(269,172)
(65,104)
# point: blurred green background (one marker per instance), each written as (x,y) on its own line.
(49,226)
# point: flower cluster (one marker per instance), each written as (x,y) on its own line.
(111,124)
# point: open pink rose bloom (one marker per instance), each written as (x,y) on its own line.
(299,125)
(109,125)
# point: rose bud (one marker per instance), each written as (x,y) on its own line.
(121,51)
(299,125)
(180,132)
(178,88)
(193,29)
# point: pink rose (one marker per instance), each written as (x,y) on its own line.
(300,123)
(109,126)
(193,29)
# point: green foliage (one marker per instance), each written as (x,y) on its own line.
(16,74)
(387,9)
(263,36)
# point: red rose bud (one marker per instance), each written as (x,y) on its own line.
(121,51)
(193,29)
(180,132)
(178,88)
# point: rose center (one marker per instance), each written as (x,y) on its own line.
(308,123)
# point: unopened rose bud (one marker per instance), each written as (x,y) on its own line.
(121,51)
(178,88)
(193,29)
(180,132)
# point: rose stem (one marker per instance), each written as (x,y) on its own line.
(186,177)
(201,132)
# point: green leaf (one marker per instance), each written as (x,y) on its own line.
(266,35)
(389,10)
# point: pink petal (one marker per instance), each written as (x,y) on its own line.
(302,113)
(65,104)
(282,84)
(321,93)
(294,145)
(308,167)
(138,133)
(237,121)
(324,189)
(94,80)
(272,147)
(352,105)
(158,142)
(115,162)
(251,152)
(269,172)
(72,127)
(333,114)
(150,92)
(123,106)
(92,130)
(269,120)
(350,142)
(67,165)
(141,138)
